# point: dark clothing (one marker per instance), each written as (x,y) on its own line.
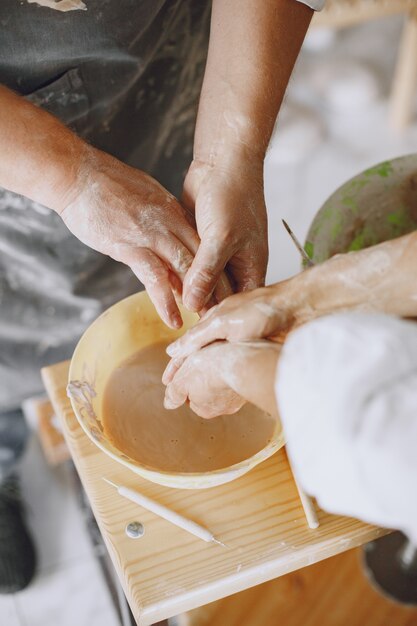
(125,75)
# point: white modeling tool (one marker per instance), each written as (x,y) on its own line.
(306,501)
(162,511)
(308,506)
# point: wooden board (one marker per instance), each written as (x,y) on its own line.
(334,592)
(52,441)
(168,571)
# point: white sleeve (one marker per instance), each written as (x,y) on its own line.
(347,393)
(316,5)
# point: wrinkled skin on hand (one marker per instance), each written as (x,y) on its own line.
(200,380)
(230,215)
(213,380)
(124,213)
(268,312)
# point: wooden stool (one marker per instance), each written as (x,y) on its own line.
(334,592)
(167,571)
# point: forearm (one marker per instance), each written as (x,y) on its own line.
(253,377)
(41,158)
(252,51)
(381,278)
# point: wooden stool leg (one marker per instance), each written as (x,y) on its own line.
(405,78)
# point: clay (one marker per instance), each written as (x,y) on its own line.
(135,421)
(61,5)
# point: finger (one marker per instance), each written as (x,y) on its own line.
(203,333)
(170,370)
(209,411)
(176,284)
(231,410)
(223,288)
(211,304)
(204,274)
(207,314)
(154,274)
(186,233)
(175,396)
(190,217)
(175,254)
(205,412)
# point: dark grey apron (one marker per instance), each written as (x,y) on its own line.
(124,74)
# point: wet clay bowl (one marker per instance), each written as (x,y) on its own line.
(376,205)
(127,327)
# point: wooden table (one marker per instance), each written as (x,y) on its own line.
(334,592)
(168,571)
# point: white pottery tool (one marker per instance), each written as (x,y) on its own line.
(165,513)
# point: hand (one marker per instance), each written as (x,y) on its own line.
(231,220)
(201,380)
(218,379)
(268,312)
(124,213)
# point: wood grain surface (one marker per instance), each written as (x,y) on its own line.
(334,592)
(168,571)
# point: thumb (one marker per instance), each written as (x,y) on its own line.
(204,273)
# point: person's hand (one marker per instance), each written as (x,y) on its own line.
(215,380)
(124,213)
(231,220)
(202,381)
(268,312)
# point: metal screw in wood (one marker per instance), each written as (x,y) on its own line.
(134,530)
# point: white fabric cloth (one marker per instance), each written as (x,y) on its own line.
(347,392)
(316,5)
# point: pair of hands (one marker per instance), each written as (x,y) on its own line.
(182,249)
(175,249)
(231,355)
(380,278)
